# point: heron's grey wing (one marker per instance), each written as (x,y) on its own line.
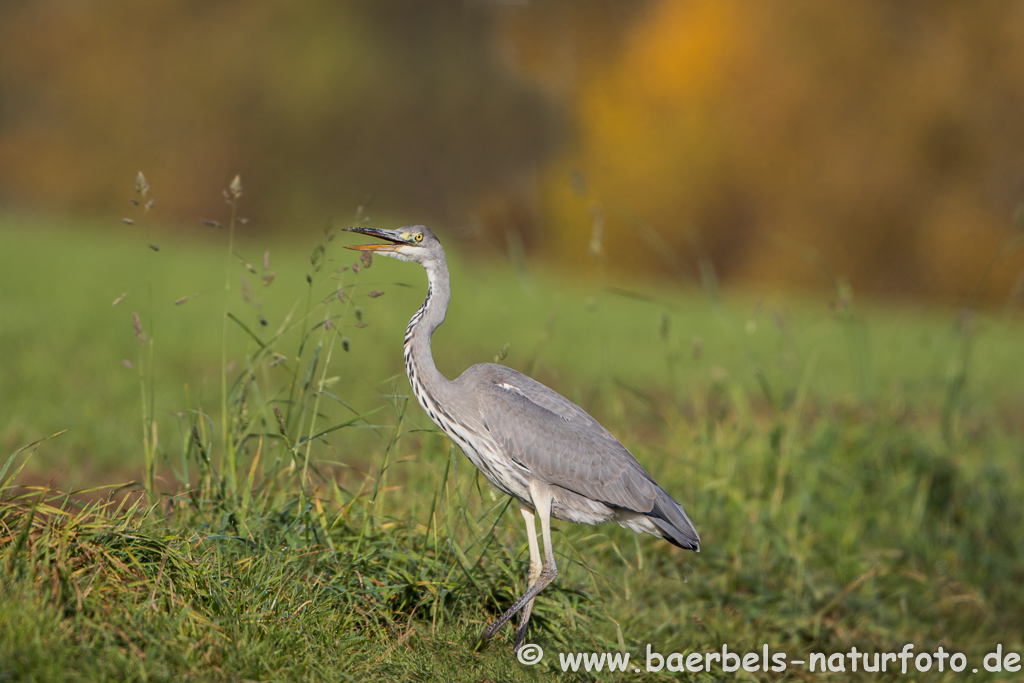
(561,444)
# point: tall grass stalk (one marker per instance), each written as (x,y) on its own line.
(232,195)
(145,359)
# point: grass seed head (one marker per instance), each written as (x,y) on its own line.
(141,186)
(137,327)
(280,419)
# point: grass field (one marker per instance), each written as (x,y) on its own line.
(854,470)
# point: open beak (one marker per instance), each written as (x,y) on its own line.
(396,237)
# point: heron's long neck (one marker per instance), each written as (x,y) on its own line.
(419,362)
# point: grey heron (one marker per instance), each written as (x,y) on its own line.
(529,441)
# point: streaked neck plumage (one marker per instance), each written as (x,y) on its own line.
(419,361)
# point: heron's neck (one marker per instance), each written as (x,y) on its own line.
(419,362)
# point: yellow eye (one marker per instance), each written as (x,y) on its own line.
(418,237)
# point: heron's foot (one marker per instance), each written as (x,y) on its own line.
(520,635)
(509,613)
(547,575)
(491,630)
(524,619)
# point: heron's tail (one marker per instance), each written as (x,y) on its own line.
(676,527)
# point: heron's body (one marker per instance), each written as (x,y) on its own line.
(529,441)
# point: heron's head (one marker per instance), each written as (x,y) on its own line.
(411,243)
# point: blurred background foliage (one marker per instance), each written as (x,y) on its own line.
(801,144)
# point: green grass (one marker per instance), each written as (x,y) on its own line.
(63,344)
(855,474)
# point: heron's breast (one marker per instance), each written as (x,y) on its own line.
(478,445)
(503,473)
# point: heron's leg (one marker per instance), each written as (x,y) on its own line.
(535,567)
(541,496)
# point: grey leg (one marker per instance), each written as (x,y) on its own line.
(542,505)
(535,567)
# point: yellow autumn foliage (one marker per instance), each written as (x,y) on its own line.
(797,142)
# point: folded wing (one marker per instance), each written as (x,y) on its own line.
(558,442)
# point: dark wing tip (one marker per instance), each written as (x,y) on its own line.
(680,540)
(675,525)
